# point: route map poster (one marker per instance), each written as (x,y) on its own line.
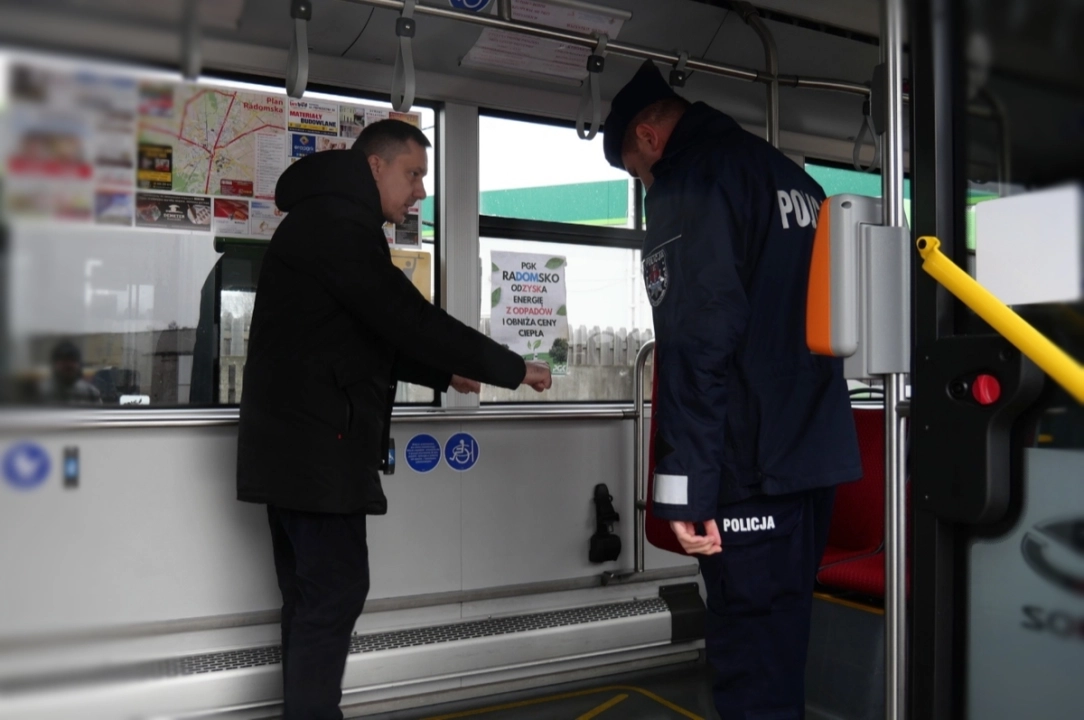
(95,147)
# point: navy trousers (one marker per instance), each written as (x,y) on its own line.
(760,597)
(322,562)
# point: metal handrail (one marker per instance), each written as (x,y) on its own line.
(771,65)
(639,472)
(66,419)
(623,49)
(895,649)
(1054,361)
(639,463)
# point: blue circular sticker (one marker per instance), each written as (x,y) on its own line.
(471,5)
(461,452)
(423,453)
(26,465)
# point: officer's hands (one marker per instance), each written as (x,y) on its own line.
(708,544)
(538,376)
(465,385)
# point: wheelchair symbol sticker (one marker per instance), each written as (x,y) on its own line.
(461,452)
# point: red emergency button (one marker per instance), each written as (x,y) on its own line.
(986,390)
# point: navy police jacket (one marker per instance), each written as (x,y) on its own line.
(743,407)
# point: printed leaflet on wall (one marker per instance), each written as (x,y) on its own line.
(528,313)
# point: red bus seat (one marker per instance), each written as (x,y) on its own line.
(864,574)
(858,522)
(854,557)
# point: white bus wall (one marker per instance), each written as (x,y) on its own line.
(153,532)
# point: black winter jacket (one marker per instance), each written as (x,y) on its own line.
(335,326)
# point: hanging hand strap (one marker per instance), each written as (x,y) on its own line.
(403,80)
(678,76)
(867,129)
(297,68)
(590,101)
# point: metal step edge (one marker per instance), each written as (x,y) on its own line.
(249,658)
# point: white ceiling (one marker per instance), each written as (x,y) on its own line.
(358,32)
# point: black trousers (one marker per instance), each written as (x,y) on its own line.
(322,562)
(760,598)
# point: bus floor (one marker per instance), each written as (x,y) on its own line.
(669,693)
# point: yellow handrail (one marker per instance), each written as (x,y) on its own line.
(1048,356)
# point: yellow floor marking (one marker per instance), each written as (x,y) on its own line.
(849,603)
(569,696)
(603,707)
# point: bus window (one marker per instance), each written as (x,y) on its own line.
(139,209)
(570,296)
(839,180)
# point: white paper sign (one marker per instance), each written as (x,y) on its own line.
(515,51)
(528,313)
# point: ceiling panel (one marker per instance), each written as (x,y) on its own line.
(219,14)
(362,33)
(334,25)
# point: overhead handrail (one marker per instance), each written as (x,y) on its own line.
(624,49)
(297,67)
(771,60)
(591,100)
(1054,361)
(403,80)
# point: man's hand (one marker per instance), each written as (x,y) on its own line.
(708,544)
(465,385)
(538,376)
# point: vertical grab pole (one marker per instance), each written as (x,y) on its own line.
(895,459)
(639,465)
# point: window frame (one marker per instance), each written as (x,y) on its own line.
(567,233)
(212,76)
(434,171)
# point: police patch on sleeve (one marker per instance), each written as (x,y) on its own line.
(656,276)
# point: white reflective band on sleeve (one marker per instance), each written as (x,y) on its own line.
(672,489)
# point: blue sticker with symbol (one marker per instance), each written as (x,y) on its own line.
(461,452)
(423,453)
(26,465)
(471,5)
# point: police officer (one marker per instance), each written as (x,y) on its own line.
(335,326)
(754,432)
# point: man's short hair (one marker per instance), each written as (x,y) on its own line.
(653,114)
(388,139)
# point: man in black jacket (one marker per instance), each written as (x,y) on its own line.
(335,326)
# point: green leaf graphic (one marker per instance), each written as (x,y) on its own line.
(496,297)
(555,263)
(495,268)
(562,311)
